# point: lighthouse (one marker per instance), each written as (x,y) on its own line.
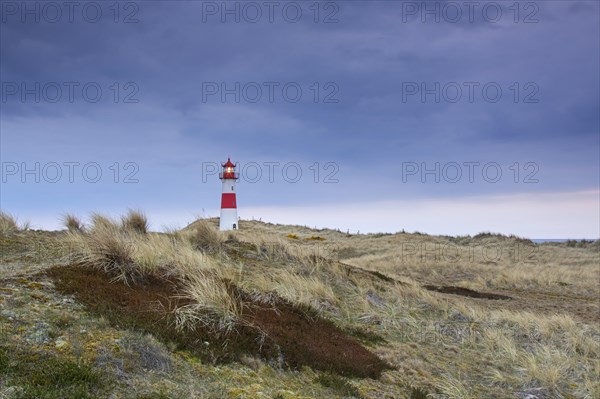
(229,216)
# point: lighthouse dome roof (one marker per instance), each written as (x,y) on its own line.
(228,163)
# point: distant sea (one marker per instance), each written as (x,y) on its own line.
(541,240)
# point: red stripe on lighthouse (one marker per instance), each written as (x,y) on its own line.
(228,201)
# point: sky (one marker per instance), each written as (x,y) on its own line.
(373,116)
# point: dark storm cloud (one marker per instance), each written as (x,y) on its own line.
(370,57)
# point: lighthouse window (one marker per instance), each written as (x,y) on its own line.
(234,226)
(231,187)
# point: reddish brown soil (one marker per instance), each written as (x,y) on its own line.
(314,341)
(278,332)
(464,292)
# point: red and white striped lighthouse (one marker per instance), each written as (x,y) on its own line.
(229,216)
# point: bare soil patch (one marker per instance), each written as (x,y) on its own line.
(584,308)
(279,332)
(307,340)
(465,292)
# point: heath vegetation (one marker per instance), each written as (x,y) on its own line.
(278,311)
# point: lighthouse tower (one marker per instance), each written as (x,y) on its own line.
(229,216)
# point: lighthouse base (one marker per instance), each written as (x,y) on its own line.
(229,220)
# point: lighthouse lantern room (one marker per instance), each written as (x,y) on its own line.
(229,216)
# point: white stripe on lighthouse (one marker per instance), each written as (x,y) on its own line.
(229,219)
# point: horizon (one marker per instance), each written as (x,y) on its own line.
(86,220)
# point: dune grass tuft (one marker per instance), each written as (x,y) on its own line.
(100,222)
(124,253)
(72,223)
(135,221)
(213,303)
(111,250)
(206,237)
(9,225)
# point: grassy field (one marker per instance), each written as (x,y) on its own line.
(111,309)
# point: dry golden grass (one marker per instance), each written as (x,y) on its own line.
(72,223)
(205,236)
(130,255)
(305,290)
(276,248)
(198,258)
(9,225)
(213,304)
(492,263)
(452,387)
(109,248)
(535,343)
(135,221)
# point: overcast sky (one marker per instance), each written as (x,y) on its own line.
(444,117)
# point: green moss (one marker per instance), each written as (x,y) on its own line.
(338,384)
(45,376)
(418,393)
(155,395)
(3,360)
(365,336)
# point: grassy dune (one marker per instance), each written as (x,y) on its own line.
(277,311)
